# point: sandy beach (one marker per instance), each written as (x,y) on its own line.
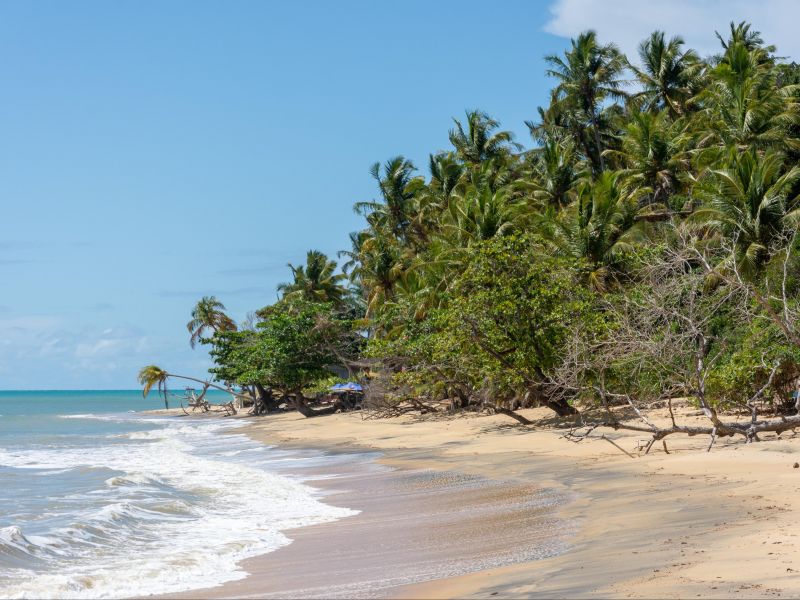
(477,506)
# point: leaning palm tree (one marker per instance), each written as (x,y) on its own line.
(316,281)
(208,314)
(588,76)
(153,375)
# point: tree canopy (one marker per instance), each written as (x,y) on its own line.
(505,277)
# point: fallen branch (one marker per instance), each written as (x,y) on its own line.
(747,430)
(616,445)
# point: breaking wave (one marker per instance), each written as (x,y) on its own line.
(170,509)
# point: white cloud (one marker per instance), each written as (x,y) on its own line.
(628,22)
(47,352)
(32,345)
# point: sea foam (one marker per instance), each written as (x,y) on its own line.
(187,502)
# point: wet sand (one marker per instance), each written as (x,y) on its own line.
(480,507)
(415,525)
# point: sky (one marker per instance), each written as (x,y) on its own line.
(156,152)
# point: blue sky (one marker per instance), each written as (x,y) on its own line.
(156,152)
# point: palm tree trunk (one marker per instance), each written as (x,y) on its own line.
(209,384)
(598,148)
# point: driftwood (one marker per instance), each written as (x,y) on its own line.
(200,401)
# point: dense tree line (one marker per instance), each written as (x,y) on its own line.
(645,247)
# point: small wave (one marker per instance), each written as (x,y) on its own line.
(144,435)
(132,479)
(90,416)
(122,512)
(16,550)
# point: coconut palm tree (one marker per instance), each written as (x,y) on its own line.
(208,314)
(653,158)
(395,211)
(748,204)
(478,142)
(588,76)
(745,107)
(316,281)
(599,228)
(553,173)
(381,268)
(446,173)
(478,214)
(668,74)
(153,375)
(742,34)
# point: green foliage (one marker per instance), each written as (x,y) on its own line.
(208,315)
(743,370)
(316,281)
(322,385)
(292,345)
(504,328)
(517,307)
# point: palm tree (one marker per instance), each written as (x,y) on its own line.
(478,214)
(553,173)
(599,228)
(395,212)
(747,203)
(668,74)
(588,76)
(380,270)
(653,158)
(745,106)
(316,281)
(153,375)
(446,173)
(479,142)
(357,239)
(742,34)
(207,314)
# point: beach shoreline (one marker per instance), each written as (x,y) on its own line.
(676,525)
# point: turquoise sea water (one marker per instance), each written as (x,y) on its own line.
(97,500)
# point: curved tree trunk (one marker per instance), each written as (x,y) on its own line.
(209,384)
(561,407)
(514,415)
(263,400)
(299,402)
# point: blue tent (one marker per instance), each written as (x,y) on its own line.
(350,386)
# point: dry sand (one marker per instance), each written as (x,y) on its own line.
(476,496)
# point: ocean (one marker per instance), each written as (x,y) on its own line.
(97,500)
